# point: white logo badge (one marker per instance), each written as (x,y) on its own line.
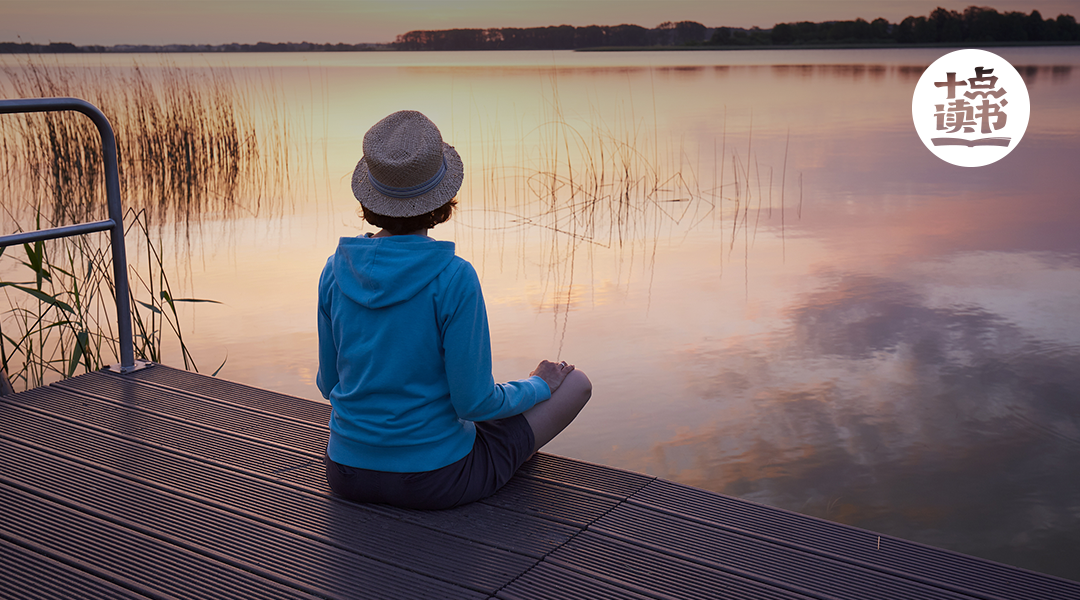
(970,108)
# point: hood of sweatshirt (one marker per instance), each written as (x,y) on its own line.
(381,272)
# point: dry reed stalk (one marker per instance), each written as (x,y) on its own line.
(187,142)
(606,182)
(188,145)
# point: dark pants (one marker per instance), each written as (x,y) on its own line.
(501,447)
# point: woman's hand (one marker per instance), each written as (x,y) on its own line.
(552,373)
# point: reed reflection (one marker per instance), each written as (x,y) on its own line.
(585,186)
(190,142)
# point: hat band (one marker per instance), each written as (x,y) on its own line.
(411,191)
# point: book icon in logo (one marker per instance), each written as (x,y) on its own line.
(955,141)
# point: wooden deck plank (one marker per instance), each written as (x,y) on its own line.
(125,418)
(547,581)
(655,574)
(222,481)
(553,502)
(302,437)
(504,529)
(951,570)
(224,391)
(30,576)
(117,554)
(300,562)
(516,531)
(319,517)
(715,548)
(584,476)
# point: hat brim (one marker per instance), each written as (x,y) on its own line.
(376,202)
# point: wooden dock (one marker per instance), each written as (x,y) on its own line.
(168,484)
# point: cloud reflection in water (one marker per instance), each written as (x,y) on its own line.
(874,408)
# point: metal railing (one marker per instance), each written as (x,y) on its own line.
(114,224)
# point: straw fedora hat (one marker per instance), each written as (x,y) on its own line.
(407,169)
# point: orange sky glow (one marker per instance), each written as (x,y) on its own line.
(109,22)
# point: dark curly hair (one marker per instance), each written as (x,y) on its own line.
(402,225)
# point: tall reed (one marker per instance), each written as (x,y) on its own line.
(189,144)
(61,319)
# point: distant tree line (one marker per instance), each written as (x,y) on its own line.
(53,48)
(975,25)
(66,48)
(561,37)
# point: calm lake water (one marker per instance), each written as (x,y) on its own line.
(777,290)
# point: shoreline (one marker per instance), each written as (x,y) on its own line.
(840,46)
(695,48)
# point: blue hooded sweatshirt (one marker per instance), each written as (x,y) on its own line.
(405,355)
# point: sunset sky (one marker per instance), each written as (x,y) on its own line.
(111,22)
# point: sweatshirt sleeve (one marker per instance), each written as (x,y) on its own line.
(467,348)
(327,376)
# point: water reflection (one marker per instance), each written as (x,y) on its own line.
(876,72)
(1059,74)
(585,184)
(878,407)
(190,143)
(855,72)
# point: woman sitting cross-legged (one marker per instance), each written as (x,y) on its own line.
(404,348)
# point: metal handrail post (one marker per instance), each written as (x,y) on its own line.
(115,223)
